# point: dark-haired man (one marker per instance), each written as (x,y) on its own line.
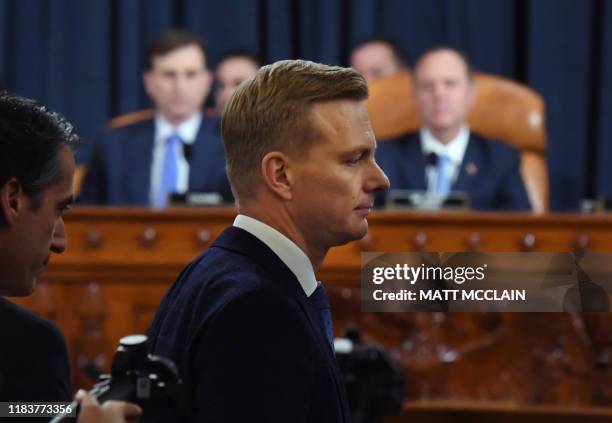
(176,151)
(233,68)
(445,156)
(378,58)
(36,170)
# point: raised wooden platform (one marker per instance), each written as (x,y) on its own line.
(120,262)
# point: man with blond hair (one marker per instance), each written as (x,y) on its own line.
(247,321)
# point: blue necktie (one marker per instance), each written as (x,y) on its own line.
(444,171)
(320,301)
(169,179)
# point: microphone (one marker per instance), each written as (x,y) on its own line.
(432,159)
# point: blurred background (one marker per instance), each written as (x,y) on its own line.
(84,58)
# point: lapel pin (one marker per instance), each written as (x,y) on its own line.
(471,169)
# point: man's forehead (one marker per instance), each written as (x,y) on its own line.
(347,107)
(62,186)
(342,120)
(336,114)
(442,62)
(60,192)
(375,49)
(236,62)
(189,55)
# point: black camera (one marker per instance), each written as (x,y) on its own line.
(138,377)
(374,381)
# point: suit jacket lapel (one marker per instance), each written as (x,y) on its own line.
(197,161)
(470,166)
(412,170)
(314,318)
(203,154)
(140,158)
(243,242)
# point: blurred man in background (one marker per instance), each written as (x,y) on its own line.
(234,67)
(445,155)
(178,150)
(378,58)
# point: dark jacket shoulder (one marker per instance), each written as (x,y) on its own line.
(34,363)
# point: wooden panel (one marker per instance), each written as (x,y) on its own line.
(478,412)
(120,262)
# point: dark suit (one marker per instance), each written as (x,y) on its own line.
(496,183)
(246,339)
(119,172)
(33,358)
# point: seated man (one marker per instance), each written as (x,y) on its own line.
(234,67)
(177,151)
(445,156)
(378,58)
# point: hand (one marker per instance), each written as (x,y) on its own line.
(109,412)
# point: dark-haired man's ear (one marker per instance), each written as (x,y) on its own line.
(11,200)
(274,167)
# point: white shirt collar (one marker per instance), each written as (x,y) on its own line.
(455,149)
(188,129)
(289,253)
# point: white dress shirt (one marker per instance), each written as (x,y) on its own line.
(289,253)
(454,150)
(188,130)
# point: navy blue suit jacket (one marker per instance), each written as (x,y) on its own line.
(496,184)
(34,362)
(246,340)
(119,172)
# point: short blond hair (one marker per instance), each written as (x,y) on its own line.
(271,112)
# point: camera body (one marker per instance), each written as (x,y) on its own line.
(136,376)
(374,381)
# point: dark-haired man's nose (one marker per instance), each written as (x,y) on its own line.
(60,237)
